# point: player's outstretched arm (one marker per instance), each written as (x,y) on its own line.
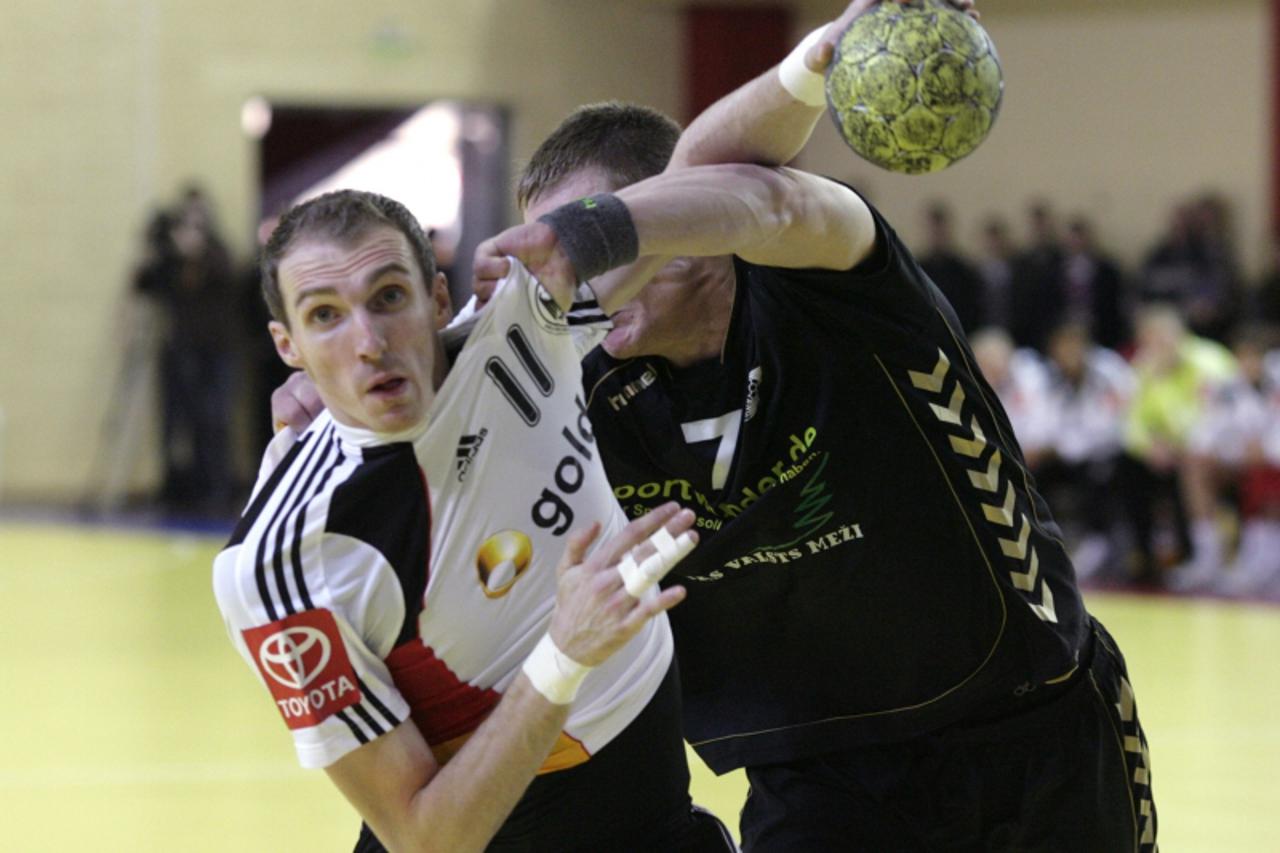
(771,216)
(413,803)
(768,120)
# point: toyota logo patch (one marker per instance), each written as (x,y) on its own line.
(295,656)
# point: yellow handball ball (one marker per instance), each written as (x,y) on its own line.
(914,87)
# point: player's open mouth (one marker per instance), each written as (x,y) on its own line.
(389,387)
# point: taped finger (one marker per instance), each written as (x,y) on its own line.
(665,544)
(668,551)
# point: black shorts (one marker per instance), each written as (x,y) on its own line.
(1071,775)
(630,797)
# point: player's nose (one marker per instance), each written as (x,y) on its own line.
(370,339)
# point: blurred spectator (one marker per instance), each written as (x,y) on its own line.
(1235,451)
(264,371)
(955,276)
(1176,373)
(189,274)
(1171,266)
(1089,392)
(1093,287)
(1193,267)
(159,253)
(996,269)
(1037,297)
(1215,305)
(1021,382)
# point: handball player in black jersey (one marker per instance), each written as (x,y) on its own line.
(883,626)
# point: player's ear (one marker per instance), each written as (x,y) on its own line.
(442,302)
(284,345)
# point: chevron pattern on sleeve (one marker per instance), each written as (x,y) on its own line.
(999,506)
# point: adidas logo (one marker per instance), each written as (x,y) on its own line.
(468,447)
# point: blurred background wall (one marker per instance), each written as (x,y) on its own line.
(1116,110)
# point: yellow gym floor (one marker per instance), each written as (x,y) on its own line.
(130,724)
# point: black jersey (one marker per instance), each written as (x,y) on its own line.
(875,562)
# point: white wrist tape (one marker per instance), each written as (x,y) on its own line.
(807,87)
(553,673)
(638,577)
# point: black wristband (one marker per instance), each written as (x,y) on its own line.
(596,233)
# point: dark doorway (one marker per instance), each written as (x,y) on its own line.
(445,160)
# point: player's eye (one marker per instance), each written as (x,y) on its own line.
(321,315)
(392,296)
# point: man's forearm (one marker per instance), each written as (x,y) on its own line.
(460,806)
(778,217)
(707,211)
(488,776)
(772,217)
(768,216)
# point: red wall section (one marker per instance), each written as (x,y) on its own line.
(725,47)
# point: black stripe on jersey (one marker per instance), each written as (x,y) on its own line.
(528,358)
(260,574)
(511,389)
(369,720)
(325,446)
(385,505)
(588,310)
(260,569)
(584,311)
(354,726)
(376,703)
(245,524)
(299,577)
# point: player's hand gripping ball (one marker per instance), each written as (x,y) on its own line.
(914,87)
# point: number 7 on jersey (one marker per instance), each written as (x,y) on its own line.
(724,428)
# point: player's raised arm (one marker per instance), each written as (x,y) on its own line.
(769,120)
(769,216)
(413,803)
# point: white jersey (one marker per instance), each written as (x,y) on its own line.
(1024,395)
(372,580)
(1086,420)
(1239,414)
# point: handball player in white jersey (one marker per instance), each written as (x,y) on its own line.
(433,580)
